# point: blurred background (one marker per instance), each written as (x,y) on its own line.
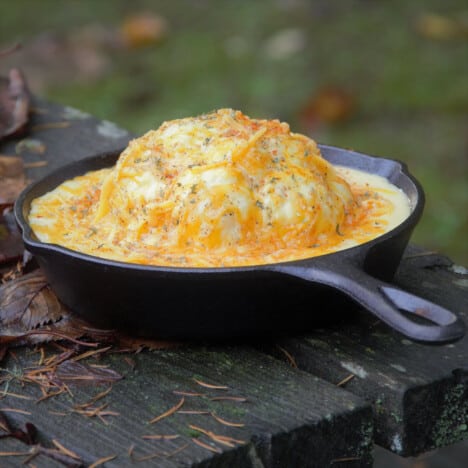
(386,78)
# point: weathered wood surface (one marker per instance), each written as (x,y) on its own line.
(288,418)
(59,135)
(419,392)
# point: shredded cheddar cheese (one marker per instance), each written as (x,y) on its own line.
(216,190)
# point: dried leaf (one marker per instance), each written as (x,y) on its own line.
(27,303)
(330,105)
(31,433)
(13,181)
(30,313)
(442,28)
(11,244)
(27,436)
(144,29)
(10,188)
(72,372)
(45,334)
(11,166)
(14,103)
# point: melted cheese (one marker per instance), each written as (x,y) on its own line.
(218,190)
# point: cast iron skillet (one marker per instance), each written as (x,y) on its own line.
(233,302)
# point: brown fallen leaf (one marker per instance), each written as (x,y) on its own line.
(65,329)
(14,103)
(75,373)
(11,244)
(144,28)
(30,313)
(27,303)
(12,180)
(10,188)
(11,166)
(27,436)
(330,104)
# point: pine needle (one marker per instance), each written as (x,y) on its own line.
(168,412)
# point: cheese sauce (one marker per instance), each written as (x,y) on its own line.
(218,190)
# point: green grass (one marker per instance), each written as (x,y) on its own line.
(411,91)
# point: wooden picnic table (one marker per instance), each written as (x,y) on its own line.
(357,383)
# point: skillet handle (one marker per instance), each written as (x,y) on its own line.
(384,301)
